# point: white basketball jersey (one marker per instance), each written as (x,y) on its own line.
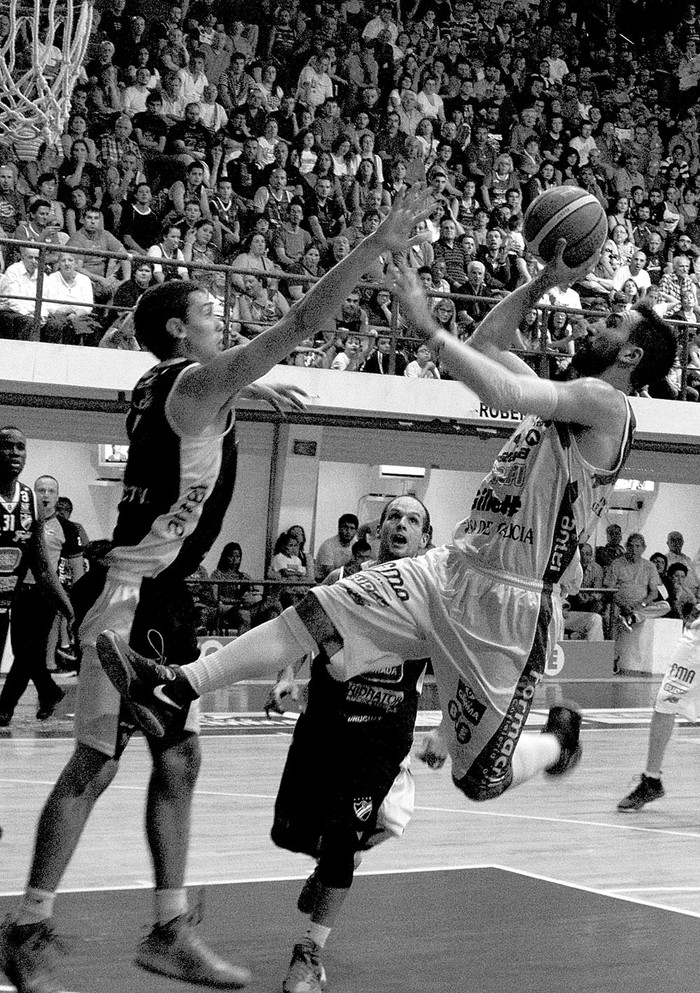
(538,503)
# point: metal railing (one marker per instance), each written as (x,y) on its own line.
(540,356)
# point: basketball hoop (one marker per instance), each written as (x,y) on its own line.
(37,76)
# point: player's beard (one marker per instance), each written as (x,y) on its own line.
(593,357)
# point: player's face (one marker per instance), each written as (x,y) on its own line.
(46,490)
(204,329)
(401,534)
(13,453)
(600,349)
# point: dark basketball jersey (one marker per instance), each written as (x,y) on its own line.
(176,487)
(17,521)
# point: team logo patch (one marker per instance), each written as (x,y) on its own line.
(363,808)
(9,559)
(465,711)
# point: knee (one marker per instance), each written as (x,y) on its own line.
(336,864)
(479,786)
(88,773)
(177,766)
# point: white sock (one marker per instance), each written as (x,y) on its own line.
(36,906)
(259,653)
(170,904)
(318,933)
(653,775)
(533,754)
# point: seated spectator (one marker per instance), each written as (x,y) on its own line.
(258,307)
(498,182)
(675,554)
(18,286)
(189,141)
(309,265)
(273,200)
(326,218)
(422,366)
(634,270)
(454,255)
(38,227)
(238,599)
(336,551)
(351,356)
(286,563)
(225,209)
(291,241)
(379,361)
(67,314)
(76,171)
(583,618)
(168,248)
(253,258)
(103,273)
(139,226)
(199,248)
(681,598)
(613,549)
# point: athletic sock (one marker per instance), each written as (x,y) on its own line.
(256,654)
(533,754)
(170,904)
(318,934)
(654,775)
(36,906)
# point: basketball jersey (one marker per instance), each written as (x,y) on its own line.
(176,488)
(538,503)
(17,522)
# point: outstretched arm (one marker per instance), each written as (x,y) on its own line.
(209,389)
(588,402)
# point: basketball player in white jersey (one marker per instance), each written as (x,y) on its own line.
(487,607)
(178,483)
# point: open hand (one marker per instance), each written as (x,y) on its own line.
(408,210)
(279,396)
(557,273)
(415,305)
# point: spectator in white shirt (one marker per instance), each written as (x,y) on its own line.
(429,101)
(18,285)
(134,97)
(69,300)
(382,22)
(635,271)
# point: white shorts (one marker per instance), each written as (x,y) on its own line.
(97,716)
(679,688)
(397,807)
(488,634)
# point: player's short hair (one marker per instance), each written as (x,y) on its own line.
(155,308)
(655,336)
(427,526)
(361,547)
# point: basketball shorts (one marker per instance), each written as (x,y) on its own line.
(342,780)
(158,620)
(678,693)
(488,634)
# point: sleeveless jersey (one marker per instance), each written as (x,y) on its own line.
(538,503)
(17,521)
(176,488)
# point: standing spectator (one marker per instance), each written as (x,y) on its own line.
(337,550)
(36,600)
(606,554)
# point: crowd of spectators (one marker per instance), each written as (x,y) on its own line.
(274,136)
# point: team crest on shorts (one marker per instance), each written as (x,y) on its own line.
(362,807)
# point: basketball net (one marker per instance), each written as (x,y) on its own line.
(36,85)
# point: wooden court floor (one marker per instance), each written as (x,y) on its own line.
(595,881)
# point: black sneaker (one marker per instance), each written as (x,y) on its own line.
(46,709)
(140,682)
(66,658)
(564,721)
(647,789)
(28,956)
(175,950)
(5,718)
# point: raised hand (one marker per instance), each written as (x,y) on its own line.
(279,396)
(415,305)
(557,273)
(408,210)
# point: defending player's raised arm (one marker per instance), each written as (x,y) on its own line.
(215,385)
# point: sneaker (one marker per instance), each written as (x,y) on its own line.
(306,973)
(309,892)
(175,950)
(564,721)
(66,658)
(647,789)
(46,709)
(28,956)
(139,682)
(5,718)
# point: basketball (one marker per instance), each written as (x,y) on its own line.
(565,212)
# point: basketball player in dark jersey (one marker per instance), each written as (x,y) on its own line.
(485,608)
(347,784)
(22,547)
(177,485)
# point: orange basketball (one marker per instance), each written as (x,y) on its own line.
(565,212)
